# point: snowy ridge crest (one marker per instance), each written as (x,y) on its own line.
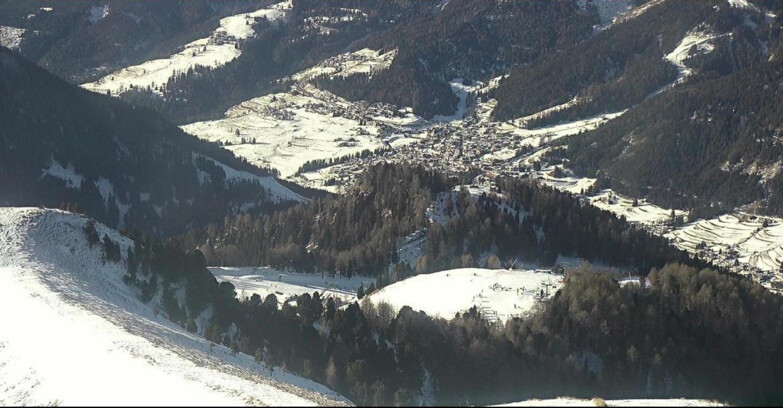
(48,270)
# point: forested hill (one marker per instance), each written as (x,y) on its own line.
(712,146)
(64,146)
(689,333)
(359,232)
(313,31)
(437,41)
(640,55)
(463,38)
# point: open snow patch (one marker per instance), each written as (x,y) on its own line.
(498,294)
(68,174)
(364,61)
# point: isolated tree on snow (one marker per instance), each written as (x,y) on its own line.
(92,234)
(330,309)
(360,292)
(494,262)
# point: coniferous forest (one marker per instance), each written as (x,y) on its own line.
(358,233)
(593,337)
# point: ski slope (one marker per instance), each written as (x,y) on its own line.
(220,48)
(284,285)
(498,294)
(75,334)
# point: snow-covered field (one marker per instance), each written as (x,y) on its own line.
(644,213)
(11,37)
(75,334)
(736,236)
(573,185)
(286,130)
(364,61)
(267,281)
(575,402)
(216,50)
(498,294)
(537,136)
(744,243)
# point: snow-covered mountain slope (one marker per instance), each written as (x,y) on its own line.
(216,50)
(121,165)
(278,192)
(498,294)
(74,333)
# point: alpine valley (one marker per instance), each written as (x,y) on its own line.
(391,202)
